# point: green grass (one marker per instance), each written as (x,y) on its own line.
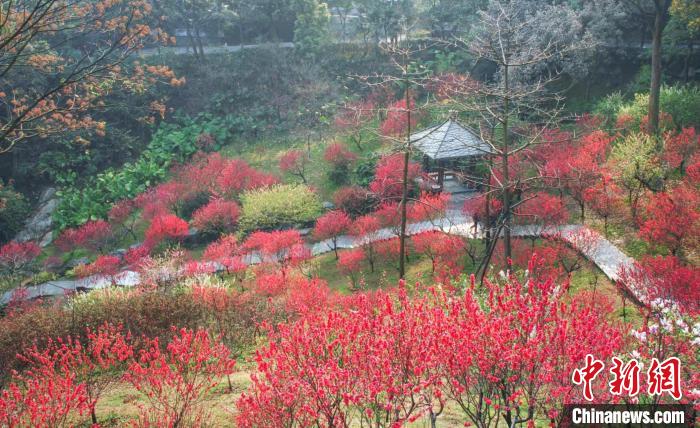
(385,273)
(265,154)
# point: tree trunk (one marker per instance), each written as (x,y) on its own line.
(193,43)
(660,20)
(199,43)
(686,63)
(404,195)
(506,178)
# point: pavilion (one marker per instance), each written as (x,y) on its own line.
(450,149)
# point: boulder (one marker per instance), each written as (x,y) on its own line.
(39,226)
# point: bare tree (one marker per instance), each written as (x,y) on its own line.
(518,103)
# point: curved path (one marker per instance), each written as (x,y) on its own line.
(607,257)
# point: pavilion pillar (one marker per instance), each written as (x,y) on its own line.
(441,173)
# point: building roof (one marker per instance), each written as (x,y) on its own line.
(449,140)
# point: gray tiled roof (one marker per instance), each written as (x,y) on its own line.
(449,140)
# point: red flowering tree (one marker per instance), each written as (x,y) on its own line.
(429,207)
(365,231)
(135,255)
(94,236)
(680,148)
(294,162)
(330,226)
(605,198)
(306,295)
(389,216)
(282,248)
(18,258)
(509,344)
(73,373)
(166,227)
(236,176)
(340,160)
(121,215)
(388,176)
(218,216)
(542,213)
(693,170)
(672,219)
(227,252)
(664,278)
(397,120)
(389,250)
(350,264)
(586,329)
(355,200)
(442,249)
(103,267)
(352,118)
(44,397)
(175,381)
(318,370)
(578,166)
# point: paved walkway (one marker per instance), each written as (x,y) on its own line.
(597,249)
(183,50)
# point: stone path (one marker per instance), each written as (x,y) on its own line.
(598,250)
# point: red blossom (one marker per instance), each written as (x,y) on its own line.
(665,278)
(164,227)
(294,162)
(442,249)
(121,210)
(672,218)
(355,200)
(542,211)
(217,216)
(680,148)
(106,266)
(429,207)
(18,257)
(189,368)
(330,226)
(605,198)
(237,176)
(65,378)
(388,176)
(365,232)
(93,235)
(350,263)
(283,247)
(396,118)
(336,154)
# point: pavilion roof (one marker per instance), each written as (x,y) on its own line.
(449,140)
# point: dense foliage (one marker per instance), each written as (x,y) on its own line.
(277,207)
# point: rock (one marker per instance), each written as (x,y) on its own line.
(38,227)
(77,262)
(121,252)
(327,205)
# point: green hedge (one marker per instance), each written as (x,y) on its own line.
(277,207)
(171,143)
(681,102)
